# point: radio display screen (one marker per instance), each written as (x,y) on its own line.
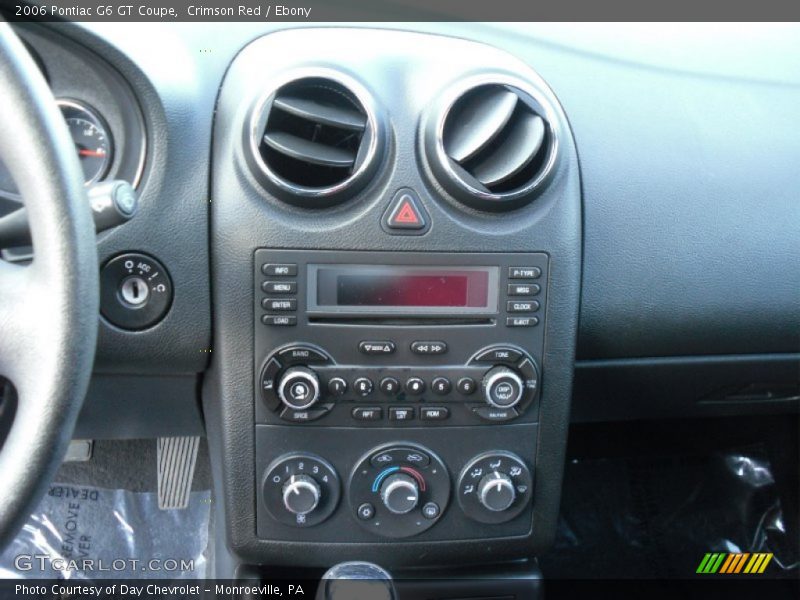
(388,287)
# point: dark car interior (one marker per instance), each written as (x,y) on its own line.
(470,306)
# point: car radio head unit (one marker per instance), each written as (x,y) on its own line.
(402,289)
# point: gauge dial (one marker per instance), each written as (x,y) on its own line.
(91,138)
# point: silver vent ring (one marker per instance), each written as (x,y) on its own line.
(445,170)
(368,155)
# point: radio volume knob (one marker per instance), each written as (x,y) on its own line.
(298,388)
(502,387)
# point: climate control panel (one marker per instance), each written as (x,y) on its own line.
(301,383)
(397,490)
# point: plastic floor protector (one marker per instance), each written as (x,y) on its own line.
(657,517)
(82,532)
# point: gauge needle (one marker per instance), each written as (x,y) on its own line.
(93,153)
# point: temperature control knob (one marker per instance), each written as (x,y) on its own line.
(299,388)
(400,493)
(496,492)
(301,494)
(502,387)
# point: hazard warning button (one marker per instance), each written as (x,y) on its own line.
(406,214)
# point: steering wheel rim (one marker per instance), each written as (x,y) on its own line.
(48,309)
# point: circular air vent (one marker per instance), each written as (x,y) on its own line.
(314,140)
(493,147)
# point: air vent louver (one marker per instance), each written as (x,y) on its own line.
(497,145)
(314,139)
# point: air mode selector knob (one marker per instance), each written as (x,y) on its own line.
(496,492)
(301,494)
(502,387)
(299,388)
(400,493)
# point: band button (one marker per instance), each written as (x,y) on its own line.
(301,354)
(428,348)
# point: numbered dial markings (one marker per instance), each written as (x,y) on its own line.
(301,490)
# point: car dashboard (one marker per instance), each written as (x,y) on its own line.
(383,268)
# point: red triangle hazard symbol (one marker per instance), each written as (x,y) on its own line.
(407,214)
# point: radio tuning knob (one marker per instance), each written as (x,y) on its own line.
(400,494)
(301,494)
(299,388)
(496,492)
(502,387)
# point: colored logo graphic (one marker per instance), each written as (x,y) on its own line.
(731,563)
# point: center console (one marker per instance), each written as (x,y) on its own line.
(396,243)
(399,348)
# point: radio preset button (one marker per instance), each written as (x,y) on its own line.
(301,354)
(279,320)
(389,386)
(337,386)
(466,386)
(415,386)
(524,306)
(441,386)
(372,413)
(433,413)
(524,272)
(522,322)
(495,355)
(279,287)
(363,386)
(376,348)
(428,348)
(401,413)
(283,270)
(523,289)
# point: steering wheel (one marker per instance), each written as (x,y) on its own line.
(49,308)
